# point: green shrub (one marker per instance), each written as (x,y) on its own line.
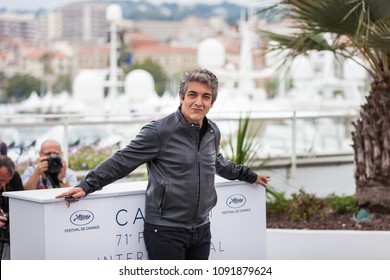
(305,206)
(343,204)
(276,201)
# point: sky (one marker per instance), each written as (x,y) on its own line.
(50,4)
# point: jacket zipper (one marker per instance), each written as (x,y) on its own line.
(199,188)
(197,147)
(163,198)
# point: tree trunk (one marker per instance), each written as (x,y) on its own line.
(371,142)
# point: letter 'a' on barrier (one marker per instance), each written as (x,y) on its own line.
(108,224)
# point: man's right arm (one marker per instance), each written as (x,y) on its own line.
(143,148)
(31,178)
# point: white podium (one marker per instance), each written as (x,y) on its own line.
(108,224)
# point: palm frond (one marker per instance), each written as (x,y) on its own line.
(243,146)
(345,27)
(303,43)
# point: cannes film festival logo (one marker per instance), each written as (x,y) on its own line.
(236,201)
(81,217)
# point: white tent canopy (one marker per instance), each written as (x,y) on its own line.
(31,104)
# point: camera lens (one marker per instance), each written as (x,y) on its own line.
(55,164)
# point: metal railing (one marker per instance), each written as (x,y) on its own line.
(297,132)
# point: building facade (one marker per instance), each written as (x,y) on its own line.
(84,22)
(18,26)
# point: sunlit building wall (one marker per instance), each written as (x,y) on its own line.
(50,26)
(174,60)
(20,26)
(84,22)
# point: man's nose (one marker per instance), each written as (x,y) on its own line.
(198,101)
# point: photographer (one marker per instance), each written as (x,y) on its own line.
(50,170)
(9,181)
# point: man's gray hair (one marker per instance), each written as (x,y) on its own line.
(203,76)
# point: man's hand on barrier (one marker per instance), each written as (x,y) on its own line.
(263,180)
(72,195)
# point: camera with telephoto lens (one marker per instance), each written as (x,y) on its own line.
(55,164)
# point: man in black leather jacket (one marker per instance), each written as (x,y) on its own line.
(182,155)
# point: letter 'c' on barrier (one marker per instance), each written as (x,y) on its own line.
(117,218)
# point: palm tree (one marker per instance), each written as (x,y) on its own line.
(351,29)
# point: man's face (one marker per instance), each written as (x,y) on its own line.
(196,103)
(50,148)
(5,177)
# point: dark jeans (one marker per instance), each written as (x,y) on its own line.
(166,243)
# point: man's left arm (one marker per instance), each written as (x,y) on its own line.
(231,171)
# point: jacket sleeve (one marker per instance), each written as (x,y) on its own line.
(231,171)
(143,148)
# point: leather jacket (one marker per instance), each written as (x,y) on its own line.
(181,170)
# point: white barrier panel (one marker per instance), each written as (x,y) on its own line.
(108,224)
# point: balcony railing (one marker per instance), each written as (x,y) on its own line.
(284,135)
